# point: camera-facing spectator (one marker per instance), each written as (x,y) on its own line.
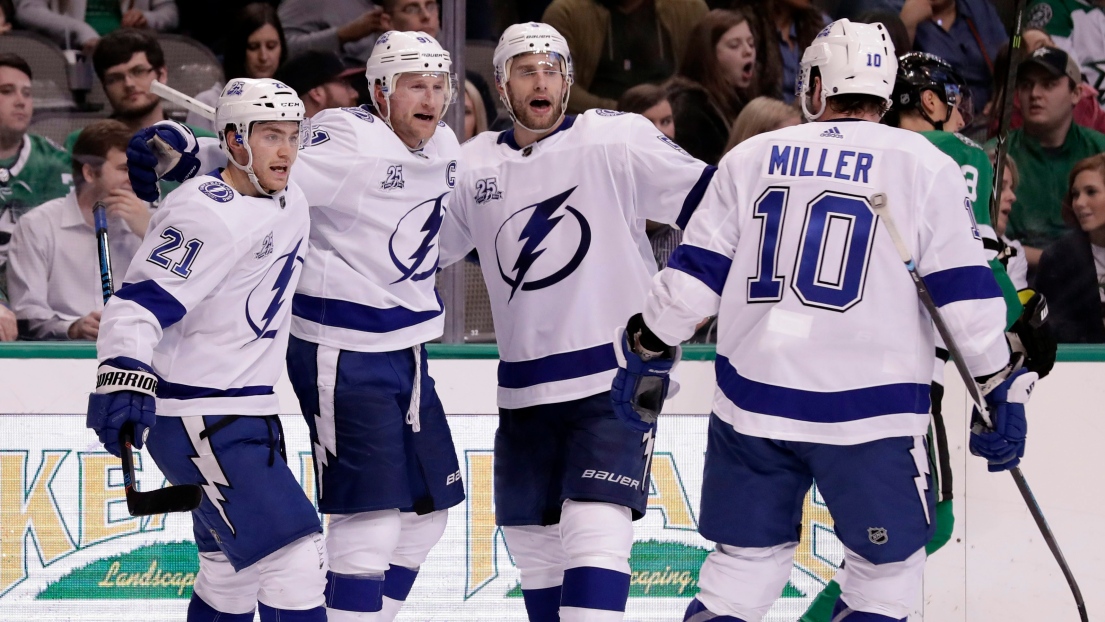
(321,80)
(1047,147)
(347,28)
(717,76)
(1071,274)
(255,48)
(127,61)
(618,44)
(75,24)
(475,111)
(1087,112)
(33,169)
(55,287)
(651,102)
(411,16)
(763,114)
(1076,27)
(788,27)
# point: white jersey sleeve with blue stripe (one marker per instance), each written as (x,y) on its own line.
(821,335)
(206,303)
(559,227)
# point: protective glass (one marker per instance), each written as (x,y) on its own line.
(959,97)
(547,64)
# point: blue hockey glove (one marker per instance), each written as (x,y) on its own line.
(642,381)
(165,150)
(1003,445)
(122,396)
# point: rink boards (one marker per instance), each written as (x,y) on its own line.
(69,551)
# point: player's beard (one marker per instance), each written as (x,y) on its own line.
(532,122)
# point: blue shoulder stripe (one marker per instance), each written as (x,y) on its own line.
(965,283)
(152,297)
(712,268)
(694,197)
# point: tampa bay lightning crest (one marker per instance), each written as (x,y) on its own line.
(414,238)
(542,244)
(265,304)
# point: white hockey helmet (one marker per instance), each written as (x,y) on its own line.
(531,38)
(245,101)
(852,59)
(398,52)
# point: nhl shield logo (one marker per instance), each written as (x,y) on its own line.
(877,535)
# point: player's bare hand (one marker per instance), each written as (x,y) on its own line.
(134,19)
(368,23)
(88,327)
(123,204)
(8,328)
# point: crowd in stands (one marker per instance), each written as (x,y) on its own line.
(708,74)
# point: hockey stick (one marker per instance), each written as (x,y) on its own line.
(174,96)
(183,498)
(882,210)
(1016,47)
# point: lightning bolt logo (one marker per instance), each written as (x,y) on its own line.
(430,229)
(208,466)
(278,289)
(540,224)
(921,460)
(648,440)
(325,430)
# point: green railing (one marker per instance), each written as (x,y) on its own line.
(84,350)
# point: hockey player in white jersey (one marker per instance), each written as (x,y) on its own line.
(200,328)
(824,353)
(378,182)
(556,209)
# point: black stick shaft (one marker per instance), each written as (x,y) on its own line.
(882,210)
(1016,48)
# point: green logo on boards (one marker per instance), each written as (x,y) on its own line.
(666,569)
(163,570)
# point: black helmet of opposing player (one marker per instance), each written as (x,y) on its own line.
(919,72)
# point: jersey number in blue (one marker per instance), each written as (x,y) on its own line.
(834,283)
(874,60)
(174,239)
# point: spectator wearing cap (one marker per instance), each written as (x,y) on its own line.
(320,79)
(255,47)
(81,24)
(1047,147)
(55,287)
(618,44)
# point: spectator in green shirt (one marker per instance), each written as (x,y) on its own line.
(33,170)
(1047,147)
(127,62)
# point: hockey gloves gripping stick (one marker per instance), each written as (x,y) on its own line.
(165,150)
(122,409)
(1011,392)
(642,381)
(1001,442)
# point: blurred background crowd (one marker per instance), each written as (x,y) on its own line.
(75,78)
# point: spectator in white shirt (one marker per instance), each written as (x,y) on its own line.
(54,275)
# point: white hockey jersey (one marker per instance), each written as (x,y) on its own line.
(376,210)
(821,335)
(560,231)
(207,300)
